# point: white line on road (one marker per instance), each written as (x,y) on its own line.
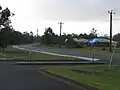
(55,54)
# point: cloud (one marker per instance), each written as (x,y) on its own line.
(29,14)
(76,10)
(64,10)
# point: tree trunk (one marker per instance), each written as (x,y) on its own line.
(3,48)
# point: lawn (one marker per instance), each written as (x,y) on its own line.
(98,50)
(98,76)
(16,54)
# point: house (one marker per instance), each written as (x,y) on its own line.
(75,42)
(81,40)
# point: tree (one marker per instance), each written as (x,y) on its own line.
(4,38)
(48,37)
(5,17)
(31,37)
(105,36)
(93,33)
(5,26)
(83,35)
(117,37)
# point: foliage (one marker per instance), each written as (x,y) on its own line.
(8,35)
(48,37)
(117,38)
(4,26)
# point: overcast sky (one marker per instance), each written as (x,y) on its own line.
(79,16)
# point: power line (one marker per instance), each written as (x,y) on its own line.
(111,12)
(60,31)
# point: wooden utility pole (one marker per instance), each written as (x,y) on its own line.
(60,31)
(111,13)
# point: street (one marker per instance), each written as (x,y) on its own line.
(18,77)
(104,57)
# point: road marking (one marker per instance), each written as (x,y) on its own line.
(55,54)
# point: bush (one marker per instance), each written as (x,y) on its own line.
(118,45)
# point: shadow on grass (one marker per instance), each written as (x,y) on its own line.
(89,72)
(98,71)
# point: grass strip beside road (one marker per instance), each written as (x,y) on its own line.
(17,54)
(98,76)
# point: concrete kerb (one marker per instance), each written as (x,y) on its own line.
(55,54)
(5,58)
(86,86)
(55,63)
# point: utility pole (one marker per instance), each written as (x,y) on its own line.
(37,33)
(60,31)
(37,36)
(0,7)
(111,13)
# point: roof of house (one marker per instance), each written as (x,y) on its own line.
(81,40)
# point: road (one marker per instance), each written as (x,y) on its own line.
(18,77)
(102,56)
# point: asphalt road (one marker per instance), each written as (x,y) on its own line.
(102,56)
(18,77)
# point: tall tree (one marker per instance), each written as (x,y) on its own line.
(48,36)
(117,37)
(31,37)
(93,33)
(5,22)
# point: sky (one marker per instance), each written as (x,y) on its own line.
(78,16)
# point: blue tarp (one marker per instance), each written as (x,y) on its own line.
(99,40)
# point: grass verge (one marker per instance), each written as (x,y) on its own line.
(96,76)
(16,54)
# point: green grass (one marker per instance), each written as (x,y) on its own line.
(107,79)
(98,50)
(16,54)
